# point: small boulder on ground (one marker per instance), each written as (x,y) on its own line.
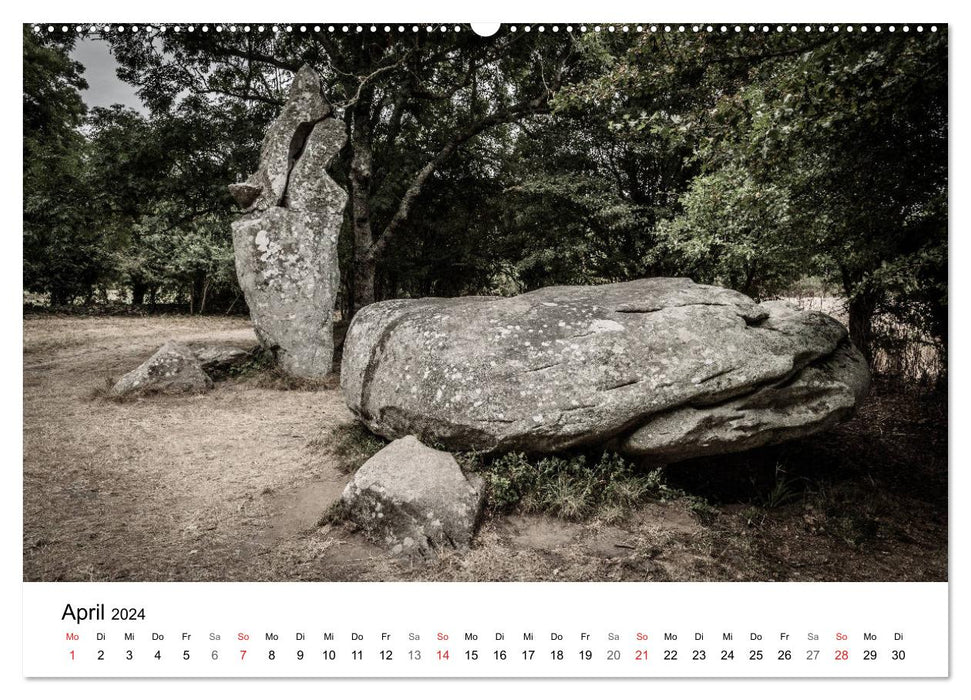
(173,369)
(414,500)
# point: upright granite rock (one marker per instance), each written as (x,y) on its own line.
(662,367)
(414,500)
(173,369)
(286,243)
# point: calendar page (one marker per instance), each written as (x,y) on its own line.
(553,349)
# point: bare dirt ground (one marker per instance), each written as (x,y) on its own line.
(232,485)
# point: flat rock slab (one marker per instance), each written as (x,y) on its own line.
(414,500)
(658,366)
(173,369)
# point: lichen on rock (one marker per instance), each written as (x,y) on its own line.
(661,367)
(172,369)
(414,500)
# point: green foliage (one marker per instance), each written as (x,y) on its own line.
(703,510)
(161,197)
(857,519)
(351,443)
(735,232)
(753,516)
(520,161)
(64,252)
(570,487)
(783,490)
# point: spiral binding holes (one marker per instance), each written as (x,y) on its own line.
(54,29)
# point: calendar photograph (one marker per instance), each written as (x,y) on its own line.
(487,303)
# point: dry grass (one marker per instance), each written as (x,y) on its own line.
(233,484)
(900,351)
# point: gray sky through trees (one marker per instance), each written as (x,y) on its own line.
(104,87)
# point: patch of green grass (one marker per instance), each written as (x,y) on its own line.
(574,487)
(260,361)
(703,510)
(848,515)
(855,529)
(263,371)
(753,516)
(351,443)
(337,512)
(784,490)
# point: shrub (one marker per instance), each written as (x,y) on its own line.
(572,487)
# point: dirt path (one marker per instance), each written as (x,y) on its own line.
(231,485)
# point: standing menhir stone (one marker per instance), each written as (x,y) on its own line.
(286,243)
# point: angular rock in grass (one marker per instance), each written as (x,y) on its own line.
(660,366)
(286,243)
(414,500)
(173,369)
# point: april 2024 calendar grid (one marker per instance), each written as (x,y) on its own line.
(482,630)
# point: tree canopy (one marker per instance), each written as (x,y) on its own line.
(497,165)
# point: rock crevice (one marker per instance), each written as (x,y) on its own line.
(286,241)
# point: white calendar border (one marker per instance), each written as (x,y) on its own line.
(412,629)
(494,10)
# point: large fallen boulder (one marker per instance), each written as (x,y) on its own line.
(286,242)
(173,369)
(659,366)
(414,500)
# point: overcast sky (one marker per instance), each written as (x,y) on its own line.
(104,87)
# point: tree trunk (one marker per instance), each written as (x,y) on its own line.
(364,279)
(205,293)
(138,289)
(861,310)
(360,185)
(197,293)
(235,299)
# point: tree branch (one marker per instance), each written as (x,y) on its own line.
(510,114)
(368,78)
